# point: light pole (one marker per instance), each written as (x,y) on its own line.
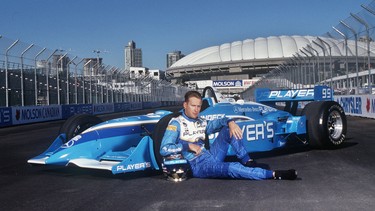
(57,77)
(324,61)
(47,75)
(83,87)
(356,49)
(113,86)
(107,83)
(307,66)
(346,55)
(67,79)
(6,72)
(105,75)
(35,76)
(330,59)
(22,89)
(318,66)
(313,66)
(75,81)
(91,74)
(298,70)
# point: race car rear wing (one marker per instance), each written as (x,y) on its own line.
(292,96)
(318,93)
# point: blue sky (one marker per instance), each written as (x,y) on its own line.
(162,26)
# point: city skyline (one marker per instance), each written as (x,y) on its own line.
(159,28)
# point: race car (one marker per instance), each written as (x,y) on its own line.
(132,143)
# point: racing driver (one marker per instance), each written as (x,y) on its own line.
(185,135)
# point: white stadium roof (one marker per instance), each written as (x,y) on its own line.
(273,47)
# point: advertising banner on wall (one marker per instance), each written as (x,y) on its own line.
(70,110)
(5,116)
(103,108)
(29,114)
(357,105)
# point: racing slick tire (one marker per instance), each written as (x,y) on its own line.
(76,124)
(326,124)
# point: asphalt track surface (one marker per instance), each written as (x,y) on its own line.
(340,179)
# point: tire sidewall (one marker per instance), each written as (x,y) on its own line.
(334,106)
(317,114)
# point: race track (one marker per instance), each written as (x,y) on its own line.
(341,179)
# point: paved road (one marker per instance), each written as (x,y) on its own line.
(341,179)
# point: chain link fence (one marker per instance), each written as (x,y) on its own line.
(32,75)
(342,58)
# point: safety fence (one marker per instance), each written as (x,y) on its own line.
(32,75)
(343,58)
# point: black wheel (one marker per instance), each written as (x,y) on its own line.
(158,133)
(326,124)
(77,124)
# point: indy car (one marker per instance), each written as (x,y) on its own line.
(132,143)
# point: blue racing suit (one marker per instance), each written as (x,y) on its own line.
(183,131)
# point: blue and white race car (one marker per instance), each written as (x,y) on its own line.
(132,143)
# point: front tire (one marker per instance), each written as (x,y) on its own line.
(77,124)
(326,124)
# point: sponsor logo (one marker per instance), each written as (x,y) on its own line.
(351,104)
(213,116)
(172,128)
(135,166)
(227,83)
(292,93)
(37,113)
(239,109)
(259,131)
(5,116)
(71,142)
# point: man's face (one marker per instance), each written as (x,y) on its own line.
(193,107)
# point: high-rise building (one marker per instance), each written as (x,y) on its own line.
(133,56)
(173,57)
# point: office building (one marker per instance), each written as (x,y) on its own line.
(173,57)
(133,56)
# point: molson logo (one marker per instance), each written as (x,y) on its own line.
(227,83)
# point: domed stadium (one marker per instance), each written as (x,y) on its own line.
(253,57)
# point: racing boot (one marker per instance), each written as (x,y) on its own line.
(290,174)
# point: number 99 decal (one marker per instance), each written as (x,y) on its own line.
(326,93)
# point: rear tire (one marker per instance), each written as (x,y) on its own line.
(77,124)
(326,124)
